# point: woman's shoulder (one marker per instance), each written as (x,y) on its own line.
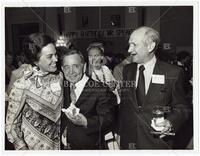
(17,88)
(20,83)
(105,68)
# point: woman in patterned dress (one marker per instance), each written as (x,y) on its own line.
(35,101)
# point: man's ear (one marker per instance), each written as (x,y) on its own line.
(151,46)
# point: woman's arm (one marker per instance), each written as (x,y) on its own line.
(13,118)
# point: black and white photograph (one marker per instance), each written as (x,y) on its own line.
(100,76)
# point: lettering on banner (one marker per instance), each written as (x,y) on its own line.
(99,33)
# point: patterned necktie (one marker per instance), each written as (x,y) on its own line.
(140,91)
(72,93)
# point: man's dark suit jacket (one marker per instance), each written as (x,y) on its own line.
(135,122)
(96,103)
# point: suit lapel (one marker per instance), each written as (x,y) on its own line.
(131,76)
(67,99)
(155,88)
(83,95)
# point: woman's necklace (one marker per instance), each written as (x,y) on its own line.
(97,77)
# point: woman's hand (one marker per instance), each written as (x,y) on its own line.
(96,61)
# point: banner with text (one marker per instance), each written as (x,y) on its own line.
(103,33)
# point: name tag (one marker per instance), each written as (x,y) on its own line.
(55,87)
(158,79)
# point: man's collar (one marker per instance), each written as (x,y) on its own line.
(82,81)
(149,63)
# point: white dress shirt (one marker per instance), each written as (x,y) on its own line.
(80,86)
(149,67)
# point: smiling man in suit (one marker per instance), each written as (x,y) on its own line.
(89,106)
(156,84)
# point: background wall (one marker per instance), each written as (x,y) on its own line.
(15,18)
(175,25)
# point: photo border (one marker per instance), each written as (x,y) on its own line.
(74,3)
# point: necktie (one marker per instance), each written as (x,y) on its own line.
(140,91)
(72,93)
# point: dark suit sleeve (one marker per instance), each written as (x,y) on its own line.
(105,112)
(180,107)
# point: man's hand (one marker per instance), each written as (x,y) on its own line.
(79,119)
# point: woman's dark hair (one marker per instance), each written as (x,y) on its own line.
(33,44)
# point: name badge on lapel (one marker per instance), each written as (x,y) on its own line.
(55,87)
(158,79)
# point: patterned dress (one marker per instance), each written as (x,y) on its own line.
(34,112)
